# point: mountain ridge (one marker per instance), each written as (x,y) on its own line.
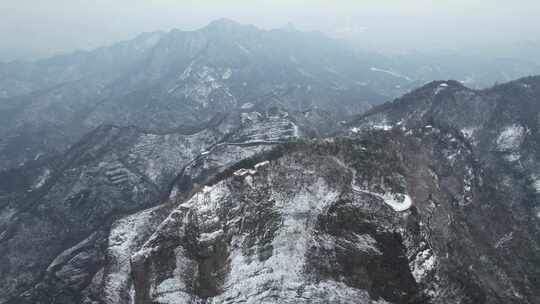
(177,76)
(417,199)
(255,170)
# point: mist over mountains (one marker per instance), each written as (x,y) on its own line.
(165,79)
(232,164)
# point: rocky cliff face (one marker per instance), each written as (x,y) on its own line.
(501,127)
(391,216)
(66,206)
(384,218)
(501,124)
(409,213)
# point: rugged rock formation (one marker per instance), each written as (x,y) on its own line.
(501,127)
(384,218)
(69,205)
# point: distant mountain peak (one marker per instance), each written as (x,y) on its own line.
(225,24)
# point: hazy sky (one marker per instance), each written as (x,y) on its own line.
(43,27)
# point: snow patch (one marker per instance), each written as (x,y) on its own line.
(250,117)
(384,127)
(38,156)
(207,237)
(151,171)
(247,106)
(382,124)
(424,262)
(512,157)
(42,179)
(254,281)
(440,88)
(262,164)
(227,74)
(296,131)
(335,292)
(366,243)
(173,194)
(125,237)
(468,132)
(510,137)
(244,172)
(397,201)
(169,291)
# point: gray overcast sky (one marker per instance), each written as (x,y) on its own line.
(43,27)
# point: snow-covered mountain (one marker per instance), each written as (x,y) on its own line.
(163,80)
(422,200)
(499,130)
(67,205)
(227,165)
